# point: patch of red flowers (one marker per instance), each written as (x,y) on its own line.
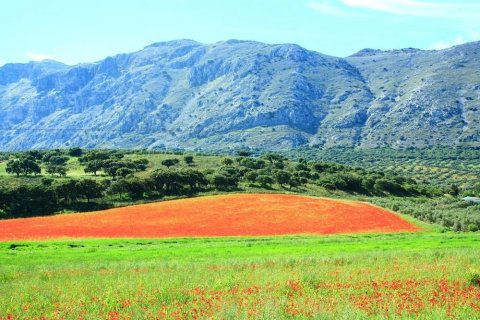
(225,215)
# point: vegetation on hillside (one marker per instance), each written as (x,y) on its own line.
(80,180)
(439,166)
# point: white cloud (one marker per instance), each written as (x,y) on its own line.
(33,56)
(447,44)
(474,36)
(418,8)
(329,9)
(440,45)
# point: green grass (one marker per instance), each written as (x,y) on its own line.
(76,169)
(288,277)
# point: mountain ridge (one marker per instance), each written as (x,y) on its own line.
(237,94)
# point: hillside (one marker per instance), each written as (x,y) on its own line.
(123,178)
(422,98)
(235,94)
(214,216)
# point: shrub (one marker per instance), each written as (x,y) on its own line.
(265,181)
(474,279)
(224,182)
(250,176)
(472,227)
(188,159)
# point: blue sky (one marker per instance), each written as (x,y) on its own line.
(74,31)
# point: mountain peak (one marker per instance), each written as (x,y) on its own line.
(373,52)
(366,52)
(179,42)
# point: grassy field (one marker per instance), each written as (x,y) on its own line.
(432,274)
(425,275)
(75,168)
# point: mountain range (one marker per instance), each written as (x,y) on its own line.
(240,94)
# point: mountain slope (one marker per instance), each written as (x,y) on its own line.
(236,94)
(422,97)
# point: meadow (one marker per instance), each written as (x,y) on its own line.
(431,273)
(427,275)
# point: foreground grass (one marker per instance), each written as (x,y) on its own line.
(424,275)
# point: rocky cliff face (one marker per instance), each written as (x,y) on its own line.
(422,97)
(237,94)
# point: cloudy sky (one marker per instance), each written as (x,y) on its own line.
(76,31)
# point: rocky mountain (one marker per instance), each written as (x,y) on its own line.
(235,94)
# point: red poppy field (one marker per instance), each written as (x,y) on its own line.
(225,215)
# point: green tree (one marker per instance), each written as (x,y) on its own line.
(99,155)
(123,172)
(31,199)
(112,167)
(282,177)
(302,166)
(159,179)
(47,182)
(59,169)
(332,182)
(34,154)
(476,189)
(193,178)
(274,158)
(243,153)
(30,167)
(119,187)
(385,185)
(89,189)
(67,191)
(368,184)
(140,164)
(251,176)
(93,166)
(25,166)
(57,160)
(293,183)
(52,153)
(135,187)
(75,152)
(252,163)
(472,227)
(265,181)
(227,161)
(166,180)
(4,199)
(14,167)
(188,159)
(170,162)
(223,182)
(320,167)
(452,190)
